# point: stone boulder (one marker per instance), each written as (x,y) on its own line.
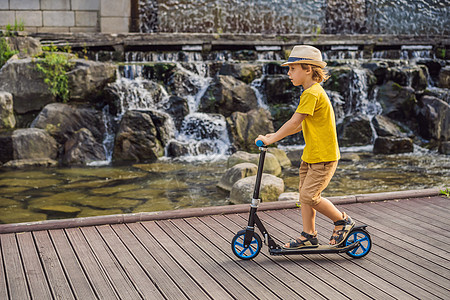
(391,145)
(20,78)
(434,119)
(271,188)
(292,196)
(136,139)
(243,128)
(7,119)
(63,120)
(385,127)
(278,89)
(88,78)
(242,71)
(444,148)
(397,102)
(444,78)
(235,173)
(281,157)
(226,95)
(177,149)
(355,131)
(82,148)
(27,144)
(178,108)
(27,46)
(271,163)
(164,125)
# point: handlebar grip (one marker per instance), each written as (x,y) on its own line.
(259,143)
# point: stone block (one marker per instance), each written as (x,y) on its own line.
(86,18)
(24,4)
(6,17)
(83,29)
(53,29)
(59,18)
(114,24)
(88,4)
(29,17)
(4,4)
(118,8)
(55,4)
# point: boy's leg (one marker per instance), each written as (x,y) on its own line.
(308,212)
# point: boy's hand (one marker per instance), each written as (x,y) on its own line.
(265,138)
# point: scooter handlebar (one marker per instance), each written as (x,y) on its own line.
(260,143)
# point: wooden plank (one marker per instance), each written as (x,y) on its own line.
(81,287)
(267,269)
(173,269)
(97,276)
(39,288)
(418,212)
(184,238)
(3,284)
(202,278)
(139,278)
(354,271)
(52,266)
(213,244)
(15,276)
(384,268)
(401,232)
(383,236)
(407,223)
(166,286)
(110,265)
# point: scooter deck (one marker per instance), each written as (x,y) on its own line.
(321,249)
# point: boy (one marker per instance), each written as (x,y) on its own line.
(315,116)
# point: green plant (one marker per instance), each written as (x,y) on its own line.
(5,51)
(10,29)
(445,192)
(54,66)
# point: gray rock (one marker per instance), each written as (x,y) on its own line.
(242,71)
(33,143)
(20,78)
(397,102)
(444,148)
(235,173)
(7,119)
(271,188)
(355,131)
(136,139)
(390,145)
(226,95)
(271,164)
(281,157)
(245,127)
(63,120)
(27,46)
(385,127)
(434,119)
(292,196)
(87,79)
(444,78)
(82,148)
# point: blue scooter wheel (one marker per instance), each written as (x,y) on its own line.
(237,246)
(365,243)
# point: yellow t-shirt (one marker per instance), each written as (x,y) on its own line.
(319,127)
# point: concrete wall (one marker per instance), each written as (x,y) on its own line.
(67,15)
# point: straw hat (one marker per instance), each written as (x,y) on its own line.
(305,54)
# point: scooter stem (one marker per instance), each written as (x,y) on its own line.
(262,157)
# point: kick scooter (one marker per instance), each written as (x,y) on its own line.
(247,244)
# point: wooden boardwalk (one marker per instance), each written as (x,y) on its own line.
(191,258)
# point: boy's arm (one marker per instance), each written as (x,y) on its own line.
(293,125)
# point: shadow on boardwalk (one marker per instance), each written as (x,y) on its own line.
(191,258)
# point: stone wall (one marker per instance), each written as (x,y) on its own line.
(67,15)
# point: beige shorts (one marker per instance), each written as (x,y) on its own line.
(314,178)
